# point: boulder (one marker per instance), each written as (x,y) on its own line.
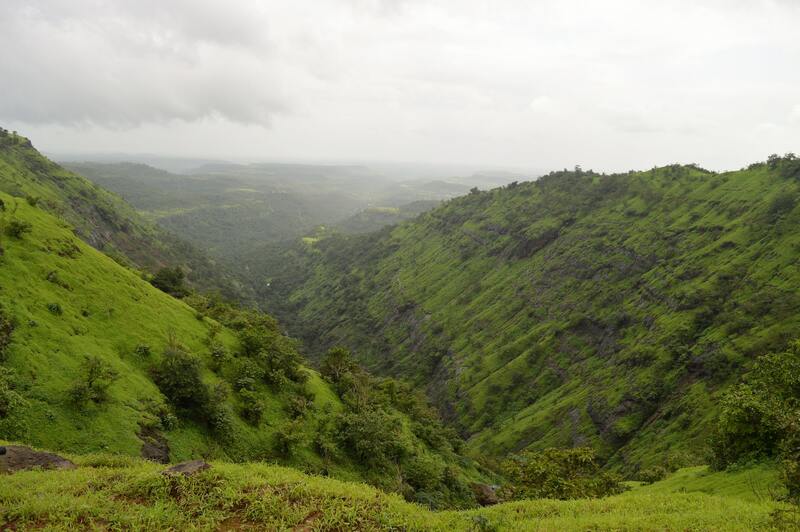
(485,495)
(187,469)
(15,458)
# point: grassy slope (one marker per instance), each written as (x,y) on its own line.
(107,311)
(102,218)
(580,309)
(108,492)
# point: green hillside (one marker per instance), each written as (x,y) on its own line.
(109,493)
(93,358)
(580,309)
(102,218)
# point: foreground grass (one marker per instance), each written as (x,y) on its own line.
(108,492)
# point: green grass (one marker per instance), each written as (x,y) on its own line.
(108,492)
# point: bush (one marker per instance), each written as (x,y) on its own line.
(13,425)
(95,378)
(760,417)
(17,228)
(178,376)
(652,474)
(143,350)
(288,438)
(6,331)
(372,436)
(172,281)
(252,406)
(55,309)
(558,474)
(33,201)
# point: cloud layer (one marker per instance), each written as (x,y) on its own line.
(612,84)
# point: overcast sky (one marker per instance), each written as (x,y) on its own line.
(611,85)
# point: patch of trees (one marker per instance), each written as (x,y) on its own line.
(371,431)
(558,474)
(760,417)
(172,281)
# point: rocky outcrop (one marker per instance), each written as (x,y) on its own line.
(15,458)
(187,469)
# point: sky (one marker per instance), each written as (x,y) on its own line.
(611,85)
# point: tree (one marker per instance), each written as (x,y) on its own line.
(172,281)
(558,474)
(336,363)
(95,379)
(17,228)
(178,376)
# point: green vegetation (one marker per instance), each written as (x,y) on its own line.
(100,218)
(112,492)
(95,358)
(558,474)
(578,310)
(759,417)
(580,330)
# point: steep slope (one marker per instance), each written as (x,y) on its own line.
(94,358)
(606,310)
(101,218)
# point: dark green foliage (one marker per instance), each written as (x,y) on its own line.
(558,474)
(372,436)
(12,407)
(759,417)
(275,354)
(55,309)
(252,406)
(172,281)
(143,350)
(178,376)
(95,378)
(18,228)
(6,332)
(652,474)
(336,363)
(288,438)
(32,200)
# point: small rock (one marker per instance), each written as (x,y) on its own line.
(187,469)
(485,495)
(19,458)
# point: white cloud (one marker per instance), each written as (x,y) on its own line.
(549,83)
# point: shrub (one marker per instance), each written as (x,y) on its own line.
(298,406)
(372,436)
(6,331)
(17,228)
(558,474)
(33,201)
(178,376)
(288,438)
(172,281)
(93,382)
(13,424)
(336,363)
(55,309)
(652,474)
(143,350)
(252,406)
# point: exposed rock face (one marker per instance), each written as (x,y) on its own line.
(187,469)
(154,445)
(15,458)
